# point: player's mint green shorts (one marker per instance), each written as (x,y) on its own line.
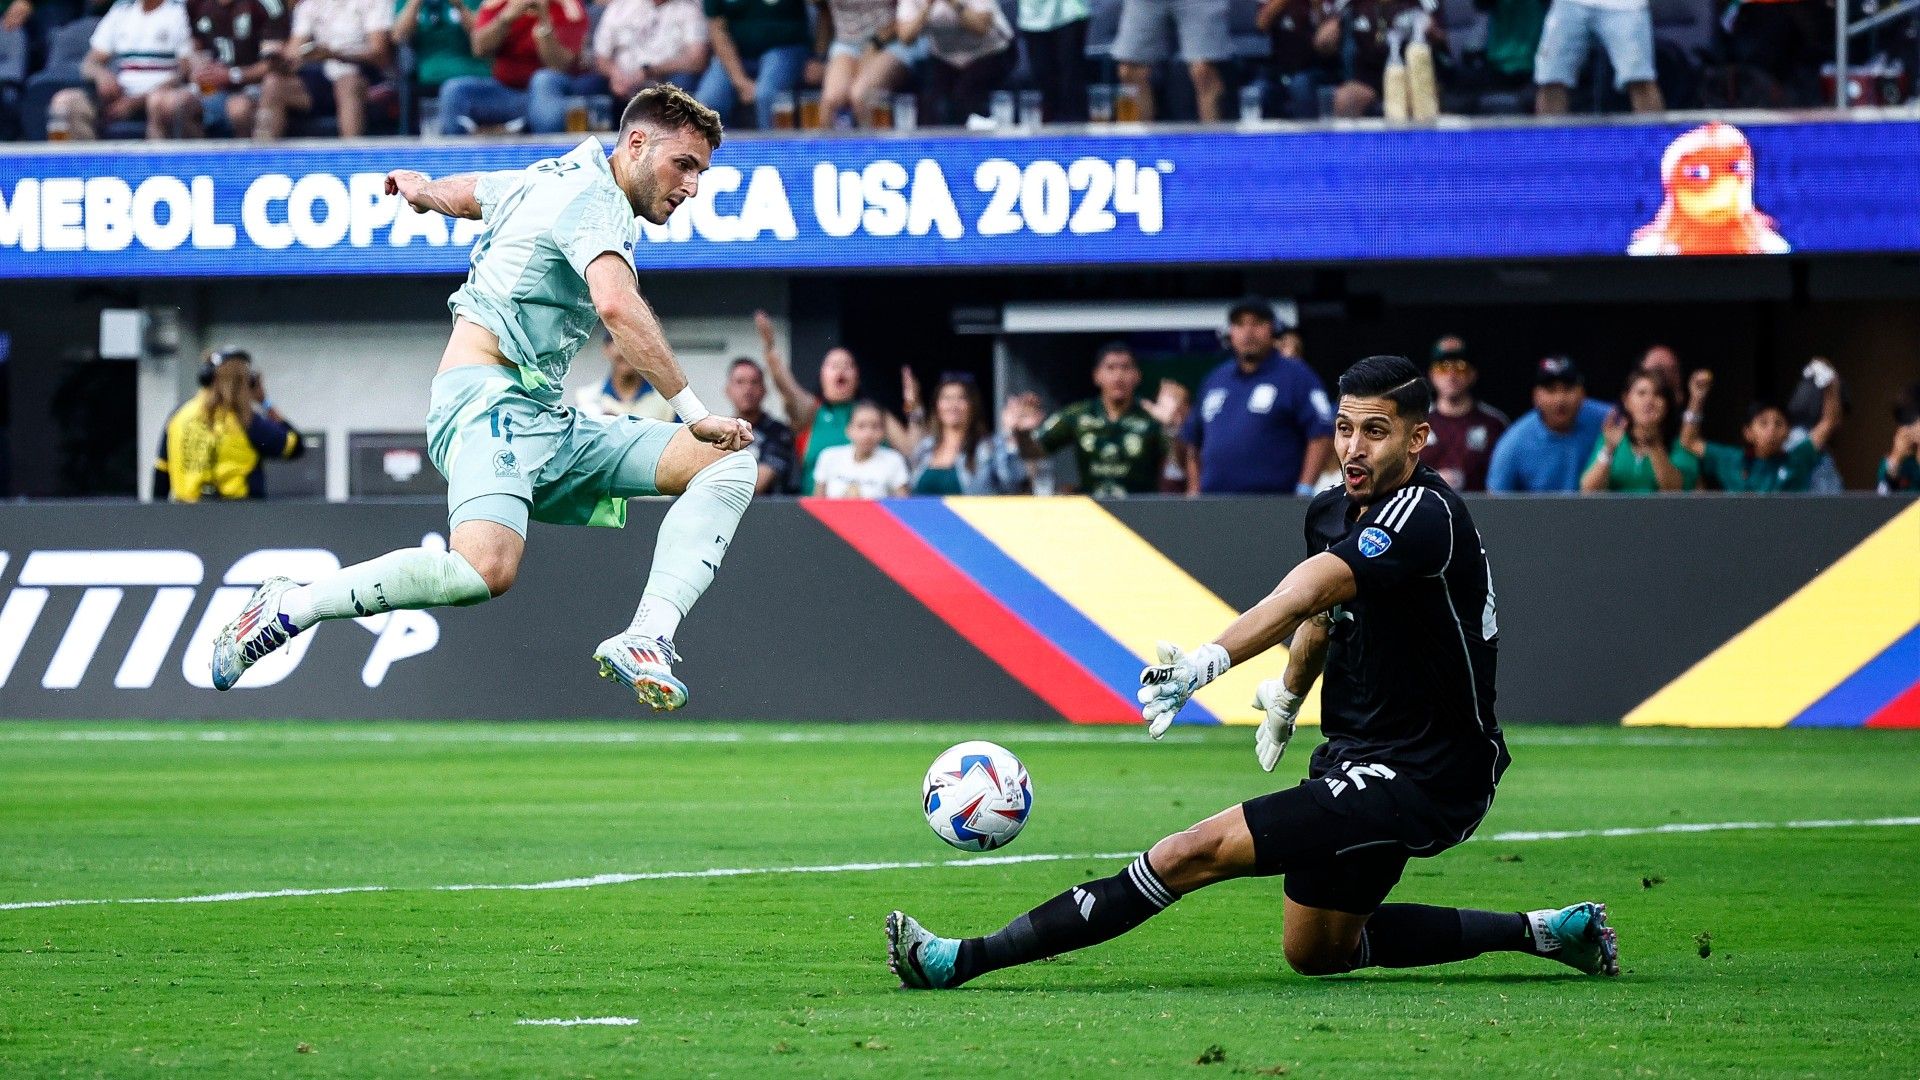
(489,437)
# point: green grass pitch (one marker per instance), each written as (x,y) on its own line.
(1756,952)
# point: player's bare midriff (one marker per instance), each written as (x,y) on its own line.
(472,344)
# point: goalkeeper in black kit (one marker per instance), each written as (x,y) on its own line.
(1394,603)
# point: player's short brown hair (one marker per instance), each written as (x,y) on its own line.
(669,108)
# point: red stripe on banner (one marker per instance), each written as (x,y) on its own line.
(957,599)
(1902,712)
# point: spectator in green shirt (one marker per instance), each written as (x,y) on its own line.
(1119,447)
(1638,449)
(1764,463)
(1901,469)
(820,420)
(438,31)
(760,51)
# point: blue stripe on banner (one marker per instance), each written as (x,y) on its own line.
(1868,690)
(1026,596)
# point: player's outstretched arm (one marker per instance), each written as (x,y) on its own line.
(1314,586)
(453,196)
(636,332)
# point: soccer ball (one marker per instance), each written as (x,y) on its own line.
(976,796)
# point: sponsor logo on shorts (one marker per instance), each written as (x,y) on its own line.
(505,464)
(1374,541)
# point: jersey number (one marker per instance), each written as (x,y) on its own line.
(556,167)
(502,424)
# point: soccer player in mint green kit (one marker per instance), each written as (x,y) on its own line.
(556,256)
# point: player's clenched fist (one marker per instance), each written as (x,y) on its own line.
(407,184)
(723,432)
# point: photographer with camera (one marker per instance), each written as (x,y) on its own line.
(214,444)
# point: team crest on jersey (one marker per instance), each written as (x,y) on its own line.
(505,464)
(1374,541)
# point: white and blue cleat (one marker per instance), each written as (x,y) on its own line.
(920,959)
(259,629)
(645,666)
(1577,936)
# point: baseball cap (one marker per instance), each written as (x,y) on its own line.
(1557,369)
(1454,354)
(1252,305)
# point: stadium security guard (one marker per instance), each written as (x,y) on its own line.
(214,444)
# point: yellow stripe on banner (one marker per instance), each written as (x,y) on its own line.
(1772,671)
(1125,586)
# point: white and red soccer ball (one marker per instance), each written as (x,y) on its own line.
(977,796)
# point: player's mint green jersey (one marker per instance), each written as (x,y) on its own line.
(528,284)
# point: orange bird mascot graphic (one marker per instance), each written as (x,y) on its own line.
(1708,210)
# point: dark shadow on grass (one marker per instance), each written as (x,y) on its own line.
(1253,980)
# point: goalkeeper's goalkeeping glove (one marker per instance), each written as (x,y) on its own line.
(1165,687)
(1282,708)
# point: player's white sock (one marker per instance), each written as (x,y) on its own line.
(693,539)
(411,578)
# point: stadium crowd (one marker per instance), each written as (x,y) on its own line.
(1259,423)
(263,69)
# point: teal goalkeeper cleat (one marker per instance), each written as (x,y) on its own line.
(921,960)
(1577,936)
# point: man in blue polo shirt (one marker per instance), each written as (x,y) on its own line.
(1547,449)
(1262,423)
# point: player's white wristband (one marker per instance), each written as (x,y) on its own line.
(1210,661)
(687,405)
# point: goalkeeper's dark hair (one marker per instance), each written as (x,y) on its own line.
(668,108)
(1391,377)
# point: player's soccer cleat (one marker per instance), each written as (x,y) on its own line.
(644,665)
(921,960)
(1577,936)
(256,631)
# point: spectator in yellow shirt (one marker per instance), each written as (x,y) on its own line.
(214,444)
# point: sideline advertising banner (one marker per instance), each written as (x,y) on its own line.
(1127,195)
(966,609)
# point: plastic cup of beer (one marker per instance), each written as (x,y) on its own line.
(1100,103)
(1004,107)
(58,129)
(880,110)
(1030,110)
(906,112)
(577,117)
(1126,104)
(429,117)
(1250,105)
(783,113)
(810,118)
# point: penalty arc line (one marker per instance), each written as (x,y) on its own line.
(597,880)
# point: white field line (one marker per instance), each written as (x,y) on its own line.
(597,880)
(855,734)
(852,734)
(582,1021)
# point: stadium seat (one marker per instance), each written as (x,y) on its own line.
(1103,26)
(1250,43)
(69,47)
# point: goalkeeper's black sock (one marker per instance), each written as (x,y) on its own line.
(1415,935)
(1084,915)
